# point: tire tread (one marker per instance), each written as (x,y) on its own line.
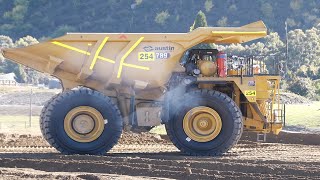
(48,109)
(236,134)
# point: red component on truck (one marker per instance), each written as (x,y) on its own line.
(222,64)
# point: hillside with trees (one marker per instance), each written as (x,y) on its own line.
(47,18)
(24,22)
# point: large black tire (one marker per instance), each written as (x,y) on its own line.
(54,112)
(42,115)
(232,124)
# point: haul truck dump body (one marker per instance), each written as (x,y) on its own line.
(95,59)
(141,80)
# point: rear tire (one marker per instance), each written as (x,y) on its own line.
(106,128)
(230,115)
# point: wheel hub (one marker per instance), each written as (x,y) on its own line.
(84,124)
(202,124)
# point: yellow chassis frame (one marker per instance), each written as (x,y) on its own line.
(265,89)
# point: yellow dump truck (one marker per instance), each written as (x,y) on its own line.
(205,98)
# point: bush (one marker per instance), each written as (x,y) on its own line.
(303,87)
(317,86)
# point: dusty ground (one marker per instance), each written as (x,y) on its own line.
(27,140)
(25,173)
(20,95)
(145,156)
(24,154)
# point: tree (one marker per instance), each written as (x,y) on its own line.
(18,12)
(24,74)
(5,42)
(267,9)
(62,30)
(8,66)
(208,5)
(295,4)
(304,48)
(296,48)
(233,49)
(200,21)
(162,17)
(317,85)
(42,18)
(233,8)
(138,2)
(26,41)
(258,48)
(223,21)
(312,72)
(303,87)
(273,43)
(20,73)
(312,47)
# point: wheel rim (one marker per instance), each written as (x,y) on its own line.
(202,124)
(84,124)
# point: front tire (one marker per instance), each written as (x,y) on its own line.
(81,121)
(205,123)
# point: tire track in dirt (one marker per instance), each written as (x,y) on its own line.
(144,168)
(154,157)
(175,165)
(16,173)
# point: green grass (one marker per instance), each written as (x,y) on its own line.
(18,119)
(19,124)
(307,115)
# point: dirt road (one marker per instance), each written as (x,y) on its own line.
(155,158)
